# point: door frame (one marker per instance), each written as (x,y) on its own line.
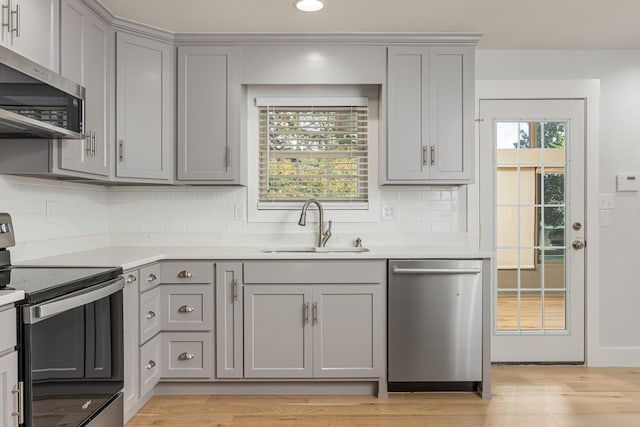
(589,90)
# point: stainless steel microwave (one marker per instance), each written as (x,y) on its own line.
(36,102)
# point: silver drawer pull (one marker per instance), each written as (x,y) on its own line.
(152,278)
(151,364)
(151,314)
(186,309)
(184,274)
(131,278)
(186,356)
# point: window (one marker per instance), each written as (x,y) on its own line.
(313,148)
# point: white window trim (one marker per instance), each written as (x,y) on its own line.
(335,211)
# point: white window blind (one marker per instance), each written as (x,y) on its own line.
(313,151)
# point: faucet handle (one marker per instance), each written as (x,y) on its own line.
(326,234)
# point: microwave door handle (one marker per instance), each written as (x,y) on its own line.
(40,312)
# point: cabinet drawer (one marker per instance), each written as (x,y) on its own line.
(315,272)
(187,272)
(187,308)
(187,355)
(149,277)
(149,365)
(150,314)
(8,335)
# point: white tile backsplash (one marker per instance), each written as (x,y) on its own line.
(93,216)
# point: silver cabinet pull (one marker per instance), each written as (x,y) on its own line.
(305,313)
(130,279)
(6,11)
(184,274)
(151,314)
(186,356)
(16,13)
(18,412)
(151,364)
(186,309)
(425,155)
(433,155)
(235,289)
(87,144)
(152,278)
(400,270)
(121,150)
(315,313)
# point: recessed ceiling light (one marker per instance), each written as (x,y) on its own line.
(309,5)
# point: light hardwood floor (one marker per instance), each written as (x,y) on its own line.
(524,396)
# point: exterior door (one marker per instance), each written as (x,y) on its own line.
(538,198)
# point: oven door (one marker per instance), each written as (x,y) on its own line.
(72,355)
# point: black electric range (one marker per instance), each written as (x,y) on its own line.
(70,341)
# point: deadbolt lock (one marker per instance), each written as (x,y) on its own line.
(577,226)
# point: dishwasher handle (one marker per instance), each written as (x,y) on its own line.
(401,270)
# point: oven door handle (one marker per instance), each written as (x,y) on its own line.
(40,312)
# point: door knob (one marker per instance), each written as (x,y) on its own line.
(578,244)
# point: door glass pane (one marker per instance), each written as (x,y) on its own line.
(555,310)
(530,218)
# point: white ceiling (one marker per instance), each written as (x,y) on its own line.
(506,24)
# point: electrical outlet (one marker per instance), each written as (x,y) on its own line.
(389,213)
(606,201)
(51,211)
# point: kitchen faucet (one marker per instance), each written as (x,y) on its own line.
(323,235)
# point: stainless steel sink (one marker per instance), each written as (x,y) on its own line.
(315,249)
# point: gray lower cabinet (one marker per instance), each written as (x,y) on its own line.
(8,368)
(187,312)
(317,331)
(131,342)
(208,149)
(229,319)
(430,113)
(145,96)
(141,309)
(314,319)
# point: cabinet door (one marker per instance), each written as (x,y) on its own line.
(130,322)
(8,382)
(208,114)
(277,331)
(186,355)
(144,108)
(149,365)
(348,333)
(150,313)
(407,153)
(186,307)
(229,303)
(35,27)
(85,52)
(451,112)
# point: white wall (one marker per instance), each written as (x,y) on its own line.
(616,311)
(80,219)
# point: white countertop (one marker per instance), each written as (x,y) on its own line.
(133,257)
(10,296)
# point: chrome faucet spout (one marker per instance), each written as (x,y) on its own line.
(323,235)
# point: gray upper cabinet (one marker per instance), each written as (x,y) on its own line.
(85,52)
(430,93)
(145,95)
(209,148)
(31,28)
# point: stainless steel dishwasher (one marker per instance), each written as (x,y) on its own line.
(435,323)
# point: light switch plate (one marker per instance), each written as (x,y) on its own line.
(606,201)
